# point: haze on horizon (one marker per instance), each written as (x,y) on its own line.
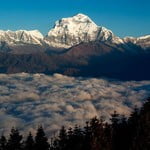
(124,18)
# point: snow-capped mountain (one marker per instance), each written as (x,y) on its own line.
(76,46)
(66,33)
(71,31)
(21,37)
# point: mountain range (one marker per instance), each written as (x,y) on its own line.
(75,46)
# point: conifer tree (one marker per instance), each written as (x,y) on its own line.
(70,140)
(41,141)
(87,136)
(15,140)
(77,138)
(3,143)
(115,131)
(29,143)
(133,122)
(141,140)
(63,139)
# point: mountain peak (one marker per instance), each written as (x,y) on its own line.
(82,18)
(76,19)
(73,30)
(81,15)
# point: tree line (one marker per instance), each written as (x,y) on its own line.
(132,133)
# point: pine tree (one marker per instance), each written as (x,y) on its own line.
(115,131)
(133,122)
(123,133)
(77,138)
(87,136)
(15,140)
(63,139)
(3,143)
(142,133)
(41,141)
(70,140)
(100,135)
(29,143)
(107,137)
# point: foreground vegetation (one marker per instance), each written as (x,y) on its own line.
(122,133)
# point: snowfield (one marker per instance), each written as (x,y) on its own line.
(29,100)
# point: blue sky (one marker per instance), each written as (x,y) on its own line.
(123,17)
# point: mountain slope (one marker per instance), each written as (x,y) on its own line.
(92,59)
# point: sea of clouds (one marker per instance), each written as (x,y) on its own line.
(30,100)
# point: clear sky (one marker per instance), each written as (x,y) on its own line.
(123,17)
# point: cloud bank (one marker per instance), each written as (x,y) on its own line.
(29,100)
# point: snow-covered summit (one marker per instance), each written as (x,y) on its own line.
(70,31)
(21,37)
(74,25)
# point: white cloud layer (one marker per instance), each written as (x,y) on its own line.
(27,101)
